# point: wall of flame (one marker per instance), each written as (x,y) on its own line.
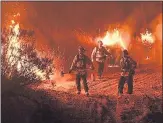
(69,25)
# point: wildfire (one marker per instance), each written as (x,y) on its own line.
(18,14)
(83,36)
(14,45)
(147,37)
(147,58)
(114,38)
(12,21)
(16,59)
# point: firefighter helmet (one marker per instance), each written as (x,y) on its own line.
(100,42)
(125,52)
(81,48)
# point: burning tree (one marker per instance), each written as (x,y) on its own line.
(20,59)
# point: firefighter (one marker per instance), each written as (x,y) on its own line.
(79,65)
(100,53)
(128,66)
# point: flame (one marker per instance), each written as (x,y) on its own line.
(12,21)
(14,45)
(159,31)
(147,58)
(14,57)
(18,14)
(147,37)
(111,38)
(115,38)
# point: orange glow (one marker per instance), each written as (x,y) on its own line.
(159,31)
(116,37)
(13,55)
(157,28)
(147,58)
(12,21)
(83,36)
(147,37)
(18,14)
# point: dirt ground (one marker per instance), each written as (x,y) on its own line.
(45,102)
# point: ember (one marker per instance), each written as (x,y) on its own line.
(21,59)
(51,50)
(147,58)
(115,37)
(147,37)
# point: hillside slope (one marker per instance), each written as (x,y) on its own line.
(44,103)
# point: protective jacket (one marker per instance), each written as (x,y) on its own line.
(80,62)
(99,54)
(127,65)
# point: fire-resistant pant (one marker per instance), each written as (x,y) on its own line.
(100,68)
(78,84)
(129,81)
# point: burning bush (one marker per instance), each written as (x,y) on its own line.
(20,59)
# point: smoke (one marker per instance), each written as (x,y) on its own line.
(156,25)
(54,22)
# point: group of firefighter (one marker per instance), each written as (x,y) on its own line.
(98,58)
